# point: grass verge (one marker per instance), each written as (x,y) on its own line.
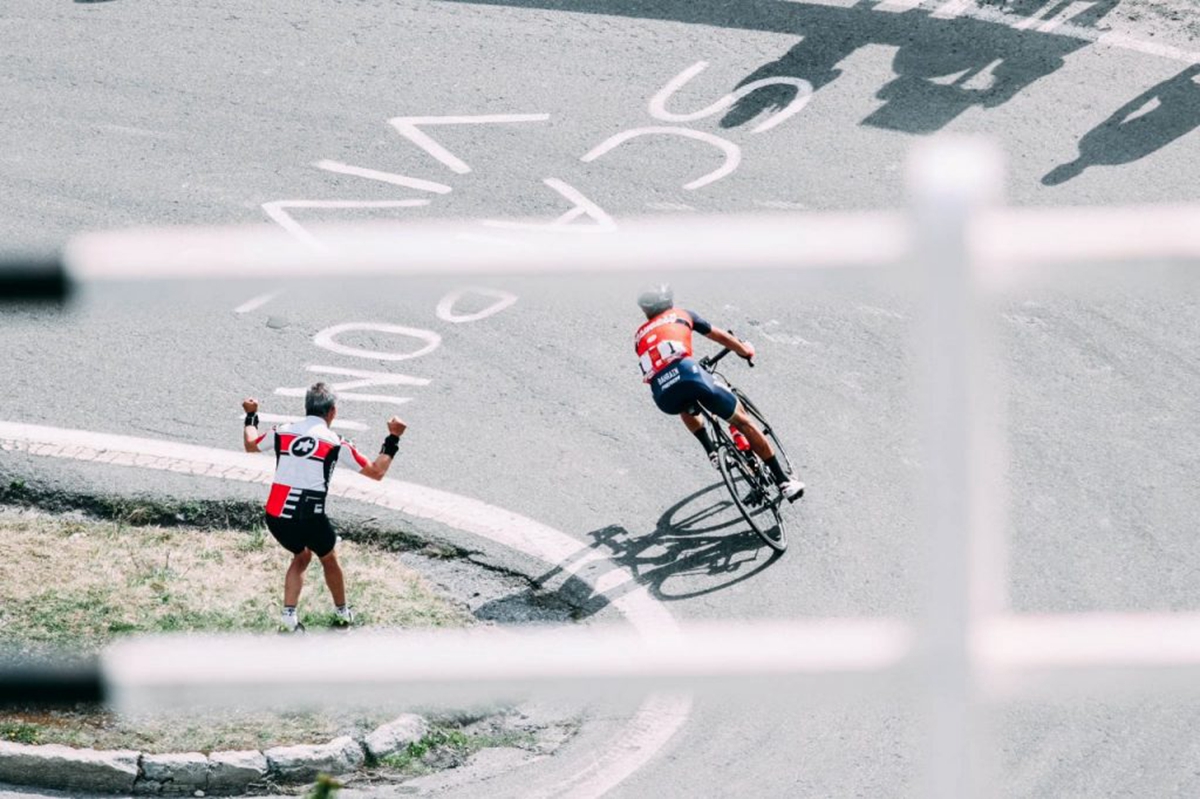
(448,747)
(70,583)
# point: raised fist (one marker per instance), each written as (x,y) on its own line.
(250,405)
(396,426)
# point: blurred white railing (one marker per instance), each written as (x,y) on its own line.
(966,650)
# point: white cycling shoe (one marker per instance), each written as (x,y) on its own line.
(290,623)
(792,489)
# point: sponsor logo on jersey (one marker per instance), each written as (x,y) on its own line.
(303,446)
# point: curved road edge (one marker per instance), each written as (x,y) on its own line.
(653,724)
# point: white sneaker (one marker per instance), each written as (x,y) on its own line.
(290,622)
(792,489)
(343,617)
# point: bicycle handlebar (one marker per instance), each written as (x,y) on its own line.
(711,360)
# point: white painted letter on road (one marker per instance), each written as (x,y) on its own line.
(327,339)
(583,207)
(733,153)
(346,389)
(277,210)
(658,103)
(408,127)
(445,308)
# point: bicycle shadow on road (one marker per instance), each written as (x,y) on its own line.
(700,545)
(943,66)
(1144,125)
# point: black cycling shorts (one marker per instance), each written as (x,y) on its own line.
(681,386)
(312,532)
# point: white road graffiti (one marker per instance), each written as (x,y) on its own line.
(445,308)
(582,207)
(733,153)
(410,128)
(278,211)
(255,303)
(384,177)
(349,390)
(327,339)
(658,103)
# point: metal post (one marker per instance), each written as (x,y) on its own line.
(32,279)
(952,180)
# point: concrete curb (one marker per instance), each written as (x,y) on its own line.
(194,773)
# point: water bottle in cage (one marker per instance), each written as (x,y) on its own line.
(739,440)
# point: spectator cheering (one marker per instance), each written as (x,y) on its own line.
(306,453)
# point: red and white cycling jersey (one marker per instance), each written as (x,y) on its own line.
(663,340)
(305,454)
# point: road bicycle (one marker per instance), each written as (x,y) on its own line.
(748,479)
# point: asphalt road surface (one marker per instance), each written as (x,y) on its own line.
(125,113)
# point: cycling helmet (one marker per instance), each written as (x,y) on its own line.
(656,299)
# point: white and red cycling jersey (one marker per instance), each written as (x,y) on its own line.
(306,453)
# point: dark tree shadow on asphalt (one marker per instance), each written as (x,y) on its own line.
(1144,125)
(700,545)
(943,66)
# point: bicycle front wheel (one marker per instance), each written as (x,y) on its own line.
(749,489)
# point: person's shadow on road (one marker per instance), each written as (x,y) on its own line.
(1144,125)
(942,67)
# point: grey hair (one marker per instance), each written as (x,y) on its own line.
(319,400)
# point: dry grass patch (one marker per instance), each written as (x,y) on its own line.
(71,584)
(66,581)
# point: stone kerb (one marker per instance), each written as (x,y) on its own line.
(193,773)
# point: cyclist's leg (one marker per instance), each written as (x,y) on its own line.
(726,405)
(759,443)
(675,392)
(720,400)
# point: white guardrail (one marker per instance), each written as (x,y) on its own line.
(965,651)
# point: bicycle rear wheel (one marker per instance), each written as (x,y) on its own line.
(753,495)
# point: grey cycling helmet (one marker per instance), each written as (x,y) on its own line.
(656,299)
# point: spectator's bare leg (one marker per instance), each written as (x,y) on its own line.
(334,578)
(295,578)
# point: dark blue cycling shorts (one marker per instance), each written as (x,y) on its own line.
(683,385)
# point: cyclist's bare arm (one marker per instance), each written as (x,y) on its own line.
(383,461)
(250,432)
(725,339)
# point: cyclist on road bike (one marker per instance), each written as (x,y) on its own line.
(664,349)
